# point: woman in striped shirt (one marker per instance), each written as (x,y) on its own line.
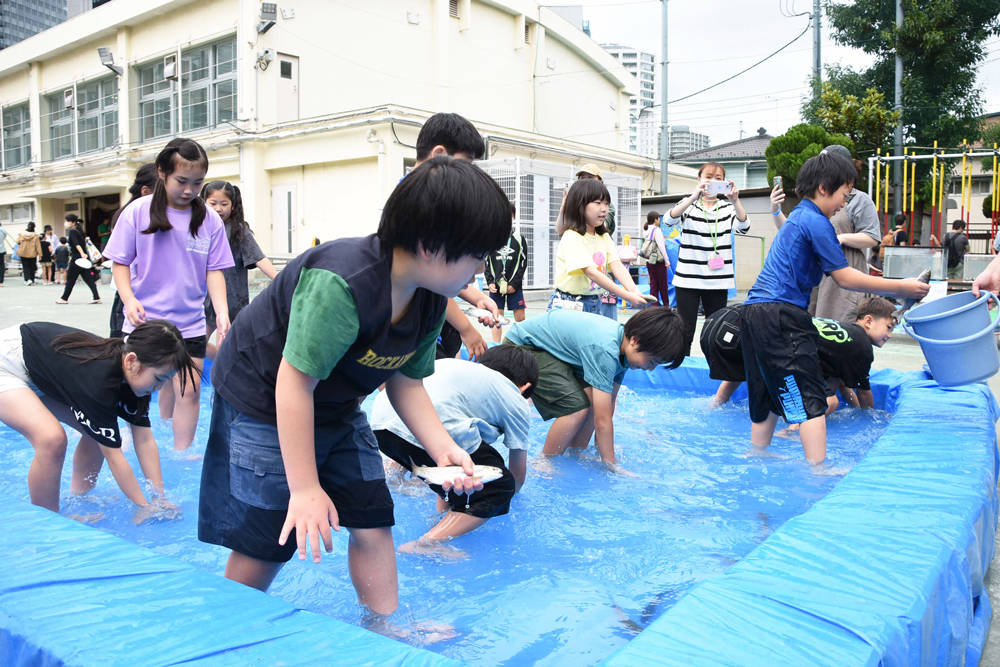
(705,268)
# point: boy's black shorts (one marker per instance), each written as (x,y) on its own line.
(720,343)
(782,363)
(244,491)
(493,500)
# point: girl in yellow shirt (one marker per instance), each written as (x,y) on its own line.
(586,252)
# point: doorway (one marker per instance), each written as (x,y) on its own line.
(283,220)
(98,211)
(288,88)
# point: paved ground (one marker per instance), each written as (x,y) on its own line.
(19,303)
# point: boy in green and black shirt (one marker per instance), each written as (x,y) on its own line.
(290,454)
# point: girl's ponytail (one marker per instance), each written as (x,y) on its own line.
(166,162)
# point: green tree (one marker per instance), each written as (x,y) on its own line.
(786,154)
(941,45)
(867,121)
(990,135)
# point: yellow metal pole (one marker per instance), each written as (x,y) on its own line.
(944,204)
(934,200)
(906,172)
(961,213)
(878,177)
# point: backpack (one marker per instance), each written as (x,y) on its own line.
(954,254)
(887,240)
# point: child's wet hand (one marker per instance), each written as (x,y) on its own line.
(135,313)
(456,456)
(913,288)
(637,300)
(311,514)
(222,325)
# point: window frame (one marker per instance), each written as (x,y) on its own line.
(24,133)
(106,103)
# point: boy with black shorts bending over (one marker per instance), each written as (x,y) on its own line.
(290,454)
(845,351)
(582,359)
(478,404)
(780,354)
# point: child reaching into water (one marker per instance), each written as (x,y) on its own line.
(582,359)
(784,375)
(225,199)
(50,373)
(290,453)
(169,250)
(478,404)
(845,351)
(585,251)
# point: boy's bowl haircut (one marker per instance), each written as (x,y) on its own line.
(660,332)
(448,205)
(829,170)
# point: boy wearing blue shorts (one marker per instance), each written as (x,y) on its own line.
(582,359)
(290,454)
(780,343)
(505,276)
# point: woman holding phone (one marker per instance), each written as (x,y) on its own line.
(705,264)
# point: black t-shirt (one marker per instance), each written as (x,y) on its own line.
(75,239)
(95,389)
(246,368)
(845,352)
(46,251)
(62,254)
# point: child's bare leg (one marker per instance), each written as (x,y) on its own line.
(586,433)
(452,524)
(519,315)
(166,400)
(211,349)
(87,463)
(562,432)
(725,392)
(251,572)
(832,403)
(24,412)
(762,432)
(371,558)
(497,334)
(813,434)
(186,409)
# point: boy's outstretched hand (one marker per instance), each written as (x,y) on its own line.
(912,288)
(988,280)
(311,513)
(456,456)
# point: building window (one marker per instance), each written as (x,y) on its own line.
(59,142)
(16,136)
(156,103)
(18,214)
(453,9)
(526,34)
(208,92)
(628,56)
(208,82)
(97,115)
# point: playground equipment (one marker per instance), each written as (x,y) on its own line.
(880,167)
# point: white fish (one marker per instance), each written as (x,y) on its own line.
(439,475)
(924,277)
(482,312)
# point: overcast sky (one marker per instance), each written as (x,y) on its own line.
(710,40)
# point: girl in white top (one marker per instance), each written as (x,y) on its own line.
(705,266)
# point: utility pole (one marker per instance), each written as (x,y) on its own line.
(664,127)
(817,36)
(897,192)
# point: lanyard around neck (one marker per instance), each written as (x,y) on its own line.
(715,232)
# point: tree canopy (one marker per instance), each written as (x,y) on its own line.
(786,154)
(867,120)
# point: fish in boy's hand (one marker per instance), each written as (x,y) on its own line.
(480,313)
(924,277)
(438,475)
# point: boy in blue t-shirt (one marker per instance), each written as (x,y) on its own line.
(780,353)
(582,358)
(290,454)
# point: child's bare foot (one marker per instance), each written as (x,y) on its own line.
(417,633)
(156,511)
(432,548)
(543,465)
(619,470)
(87,518)
(757,452)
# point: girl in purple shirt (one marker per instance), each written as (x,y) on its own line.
(169,251)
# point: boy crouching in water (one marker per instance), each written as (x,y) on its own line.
(845,351)
(582,359)
(478,404)
(290,454)
(784,376)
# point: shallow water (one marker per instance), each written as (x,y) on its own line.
(584,560)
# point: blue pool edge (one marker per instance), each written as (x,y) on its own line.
(886,569)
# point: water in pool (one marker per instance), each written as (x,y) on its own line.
(584,560)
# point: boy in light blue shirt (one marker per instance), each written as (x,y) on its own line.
(479,405)
(582,358)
